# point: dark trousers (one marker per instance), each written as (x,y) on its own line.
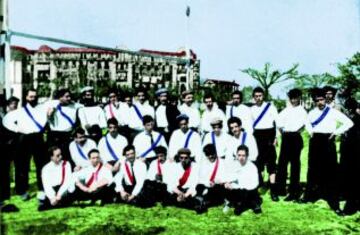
(29,145)
(61,139)
(267,153)
(213,196)
(105,194)
(322,181)
(291,146)
(66,200)
(189,202)
(155,191)
(246,199)
(140,200)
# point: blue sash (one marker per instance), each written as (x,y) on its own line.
(65,115)
(231,111)
(152,146)
(138,112)
(81,152)
(213,140)
(111,151)
(258,119)
(243,139)
(322,116)
(188,138)
(41,128)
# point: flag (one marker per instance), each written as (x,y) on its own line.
(188,11)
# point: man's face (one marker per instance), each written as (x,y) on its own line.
(113,98)
(31,98)
(130,155)
(163,98)
(242,157)
(217,129)
(209,103)
(80,139)
(295,101)
(13,105)
(329,96)
(141,97)
(149,126)
(236,99)
(161,157)
(188,99)
(113,130)
(65,99)
(89,95)
(94,159)
(128,101)
(184,159)
(56,157)
(259,98)
(211,157)
(235,129)
(320,102)
(183,124)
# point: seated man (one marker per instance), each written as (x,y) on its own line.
(218,137)
(79,149)
(212,178)
(57,180)
(130,179)
(243,183)
(94,182)
(156,183)
(182,185)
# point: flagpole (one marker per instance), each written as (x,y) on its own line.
(187,47)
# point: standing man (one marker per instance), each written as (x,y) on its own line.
(184,137)
(211,112)
(241,111)
(322,164)
(330,93)
(115,108)
(142,105)
(146,141)
(165,115)
(134,118)
(264,115)
(29,123)
(218,138)
(188,109)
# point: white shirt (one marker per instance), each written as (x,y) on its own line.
(19,121)
(329,124)
(132,119)
(292,119)
(117,144)
(118,112)
(206,171)
(52,175)
(221,142)
(244,177)
(93,115)
(58,122)
(244,113)
(78,159)
(250,142)
(142,143)
(166,172)
(178,171)
(85,174)
(269,118)
(193,114)
(178,139)
(139,170)
(161,118)
(210,115)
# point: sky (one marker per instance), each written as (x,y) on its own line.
(226,35)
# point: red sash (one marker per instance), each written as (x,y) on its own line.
(63,172)
(184,177)
(111,111)
(212,177)
(159,168)
(94,176)
(129,174)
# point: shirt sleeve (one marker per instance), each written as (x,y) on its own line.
(140,179)
(48,189)
(10,119)
(253,149)
(346,122)
(118,178)
(68,181)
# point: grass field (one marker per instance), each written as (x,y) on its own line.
(277,218)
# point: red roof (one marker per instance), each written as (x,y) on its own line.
(21,49)
(82,50)
(222,82)
(165,53)
(45,48)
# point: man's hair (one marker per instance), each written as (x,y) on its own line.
(258,90)
(30,89)
(207,96)
(61,92)
(294,93)
(330,88)
(79,130)
(52,149)
(234,120)
(12,99)
(128,148)
(128,94)
(112,121)
(237,92)
(113,90)
(160,149)
(143,90)
(147,119)
(93,151)
(244,148)
(209,149)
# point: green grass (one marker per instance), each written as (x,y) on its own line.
(277,218)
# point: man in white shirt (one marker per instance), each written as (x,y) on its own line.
(218,137)
(191,111)
(94,182)
(243,184)
(291,121)
(185,137)
(115,108)
(323,126)
(79,149)
(130,179)
(243,112)
(147,140)
(62,119)
(57,180)
(211,179)
(210,113)
(264,115)
(111,146)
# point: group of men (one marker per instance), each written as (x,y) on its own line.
(131,152)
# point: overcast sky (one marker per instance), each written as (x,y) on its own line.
(227,35)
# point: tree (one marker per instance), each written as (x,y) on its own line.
(268,77)
(307,81)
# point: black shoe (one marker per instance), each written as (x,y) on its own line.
(42,207)
(25,197)
(274,197)
(339,212)
(291,197)
(9,208)
(257,209)
(239,210)
(350,208)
